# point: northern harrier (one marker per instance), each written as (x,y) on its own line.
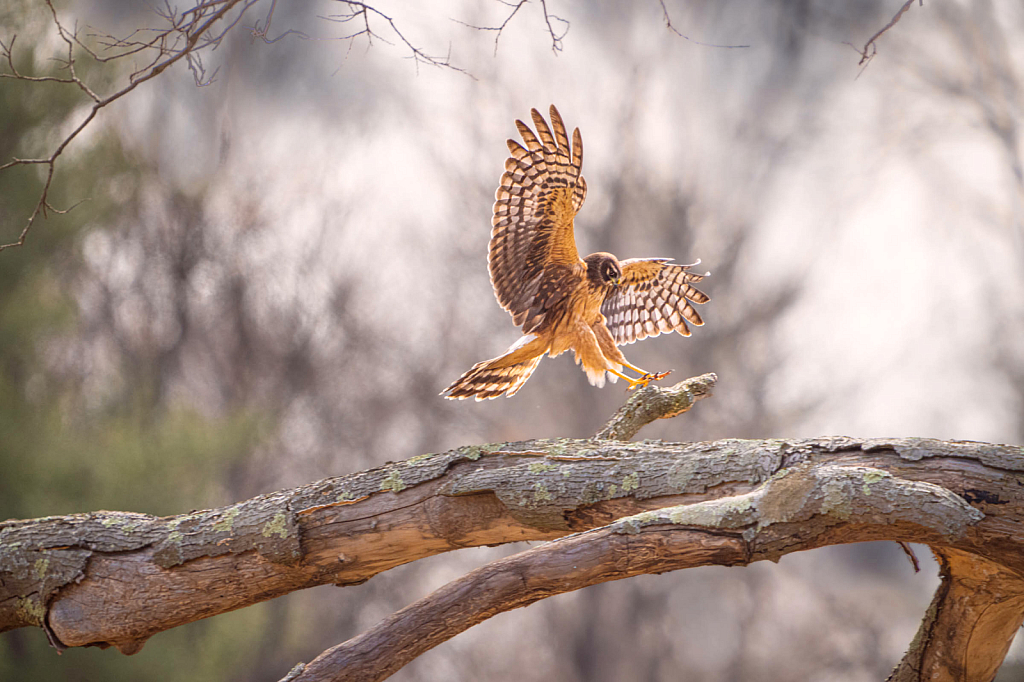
(590,305)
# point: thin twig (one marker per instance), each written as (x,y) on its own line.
(188,33)
(870,49)
(261,32)
(556,38)
(668,24)
(498,29)
(909,551)
(360,11)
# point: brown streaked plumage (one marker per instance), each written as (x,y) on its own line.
(590,305)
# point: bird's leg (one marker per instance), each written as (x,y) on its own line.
(644,379)
(633,383)
(645,376)
(641,372)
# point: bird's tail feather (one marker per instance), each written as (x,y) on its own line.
(491,378)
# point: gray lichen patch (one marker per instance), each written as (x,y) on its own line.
(588,472)
(837,499)
(541,467)
(472,452)
(682,473)
(873,476)
(705,465)
(31,610)
(263,523)
(873,495)
(393,483)
(276,526)
(725,513)
(540,493)
(631,525)
(126,521)
(475,452)
(226,522)
(99,531)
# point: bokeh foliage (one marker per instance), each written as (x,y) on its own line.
(62,450)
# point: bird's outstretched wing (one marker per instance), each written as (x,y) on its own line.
(653,297)
(532,257)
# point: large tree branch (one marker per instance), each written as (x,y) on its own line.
(116,579)
(801,508)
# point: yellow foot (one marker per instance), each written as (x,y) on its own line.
(646,379)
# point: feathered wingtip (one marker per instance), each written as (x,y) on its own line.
(693,265)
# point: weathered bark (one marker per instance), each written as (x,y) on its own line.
(653,402)
(801,507)
(112,578)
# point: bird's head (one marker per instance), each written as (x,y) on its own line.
(603,269)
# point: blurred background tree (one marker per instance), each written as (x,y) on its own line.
(276,274)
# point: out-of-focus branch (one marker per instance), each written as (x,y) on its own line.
(653,402)
(870,49)
(557,35)
(187,33)
(360,14)
(184,35)
(670,26)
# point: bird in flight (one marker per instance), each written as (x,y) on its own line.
(563,302)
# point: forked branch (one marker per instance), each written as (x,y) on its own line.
(620,509)
(794,511)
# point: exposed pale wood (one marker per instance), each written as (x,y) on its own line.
(971,622)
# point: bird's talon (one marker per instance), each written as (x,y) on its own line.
(647,378)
